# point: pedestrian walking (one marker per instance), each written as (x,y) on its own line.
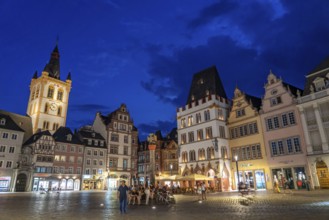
(276,185)
(122,195)
(147,195)
(203,190)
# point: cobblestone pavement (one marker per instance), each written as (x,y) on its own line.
(103,205)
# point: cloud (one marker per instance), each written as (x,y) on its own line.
(165,126)
(287,38)
(89,108)
(211,12)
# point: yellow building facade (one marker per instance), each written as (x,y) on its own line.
(248,152)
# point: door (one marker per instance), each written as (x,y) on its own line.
(323,175)
(21,182)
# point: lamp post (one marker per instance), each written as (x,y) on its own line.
(237,169)
(171,169)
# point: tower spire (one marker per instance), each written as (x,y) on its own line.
(53,67)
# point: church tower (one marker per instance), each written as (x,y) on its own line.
(49,96)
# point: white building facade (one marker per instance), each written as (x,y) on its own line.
(202,131)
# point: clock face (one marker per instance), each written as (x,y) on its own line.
(53,106)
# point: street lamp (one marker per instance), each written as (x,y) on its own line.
(237,169)
(171,169)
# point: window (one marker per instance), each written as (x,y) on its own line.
(207,115)
(14,136)
(11,149)
(79,160)
(46,125)
(192,155)
(88,162)
(113,162)
(60,95)
(2,121)
(95,153)
(9,164)
(209,133)
(210,153)
(80,149)
(101,153)
(269,124)
(190,120)
(59,111)
(101,143)
(280,145)
(276,101)
(122,127)
(284,120)
(125,150)
(63,158)
(198,118)
(2,149)
(297,145)
(56,126)
(289,146)
(57,158)
(291,118)
(95,162)
(113,149)
(191,136)
(4,135)
(183,123)
(202,154)
(89,152)
(222,132)
(125,139)
(72,148)
(71,159)
(46,108)
(199,134)
(276,122)
(183,138)
(184,157)
(70,170)
(100,163)
(240,112)
(87,171)
(115,137)
(50,92)
(220,114)
(94,171)
(125,164)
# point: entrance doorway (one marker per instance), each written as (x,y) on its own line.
(323,175)
(21,182)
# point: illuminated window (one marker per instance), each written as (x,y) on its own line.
(50,92)
(60,95)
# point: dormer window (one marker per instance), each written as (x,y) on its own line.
(276,101)
(2,121)
(319,84)
(274,92)
(69,137)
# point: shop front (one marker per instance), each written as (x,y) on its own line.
(55,183)
(290,177)
(254,179)
(5,183)
(93,182)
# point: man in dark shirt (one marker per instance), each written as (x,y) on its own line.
(122,196)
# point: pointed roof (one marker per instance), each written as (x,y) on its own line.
(319,70)
(68,76)
(323,65)
(37,136)
(23,121)
(62,133)
(255,101)
(35,75)
(52,67)
(206,82)
(9,123)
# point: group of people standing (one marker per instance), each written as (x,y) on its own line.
(201,190)
(133,195)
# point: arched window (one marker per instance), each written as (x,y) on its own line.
(210,153)
(184,157)
(60,94)
(32,94)
(202,154)
(192,155)
(37,93)
(51,90)
(46,108)
(59,111)
(224,152)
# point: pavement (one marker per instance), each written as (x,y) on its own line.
(104,205)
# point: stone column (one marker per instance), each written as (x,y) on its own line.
(309,148)
(152,148)
(321,129)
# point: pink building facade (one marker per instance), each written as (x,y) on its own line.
(283,135)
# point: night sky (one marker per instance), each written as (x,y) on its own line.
(145,52)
